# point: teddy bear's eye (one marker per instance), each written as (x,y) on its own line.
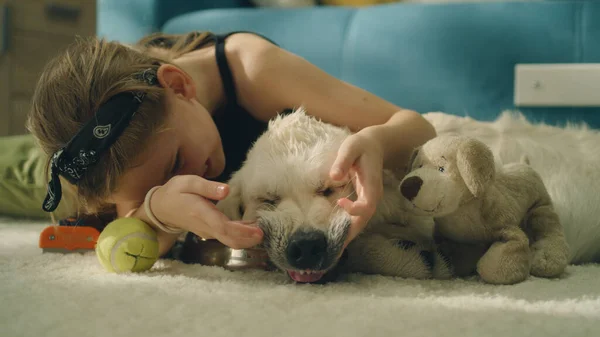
(441,169)
(420,166)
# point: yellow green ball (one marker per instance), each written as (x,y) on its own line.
(127,245)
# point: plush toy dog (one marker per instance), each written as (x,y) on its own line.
(455,180)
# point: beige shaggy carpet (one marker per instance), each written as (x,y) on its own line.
(55,295)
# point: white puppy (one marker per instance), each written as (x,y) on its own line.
(284,184)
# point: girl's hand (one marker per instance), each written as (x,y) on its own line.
(361,157)
(184,202)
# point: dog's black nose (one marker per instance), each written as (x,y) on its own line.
(307,250)
(410,187)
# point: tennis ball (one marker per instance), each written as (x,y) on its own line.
(127,245)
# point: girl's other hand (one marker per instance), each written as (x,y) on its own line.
(185,202)
(361,157)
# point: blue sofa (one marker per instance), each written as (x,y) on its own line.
(458,58)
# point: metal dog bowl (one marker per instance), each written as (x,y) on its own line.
(214,253)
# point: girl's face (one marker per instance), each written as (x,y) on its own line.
(190,144)
(196,148)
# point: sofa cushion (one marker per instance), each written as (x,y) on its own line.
(456,58)
(315,34)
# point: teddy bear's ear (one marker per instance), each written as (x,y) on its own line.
(232,205)
(475,162)
(411,161)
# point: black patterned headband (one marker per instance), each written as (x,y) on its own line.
(94,138)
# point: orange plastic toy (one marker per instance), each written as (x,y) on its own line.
(68,239)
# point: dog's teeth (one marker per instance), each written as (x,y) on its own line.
(307,272)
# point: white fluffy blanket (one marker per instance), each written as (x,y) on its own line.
(70,295)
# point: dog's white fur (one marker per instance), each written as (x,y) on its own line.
(284,184)
(567,159)
(287,168)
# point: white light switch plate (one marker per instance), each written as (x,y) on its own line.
(564,84)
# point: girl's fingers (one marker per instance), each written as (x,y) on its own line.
(203,235)
(345,203)
(347,155)
(240,242)
(205,188)
(237,229)
(359,207)
(357,224)
(371,184)
(191,196)
(198,214)
(241,235)
(233,234)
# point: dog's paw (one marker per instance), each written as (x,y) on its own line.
(428,259)
(434,262)
(443,268)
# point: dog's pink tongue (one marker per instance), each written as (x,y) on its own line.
(305,278)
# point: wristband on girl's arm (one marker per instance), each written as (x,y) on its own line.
(152,217)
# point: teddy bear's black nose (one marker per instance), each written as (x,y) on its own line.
(410,187)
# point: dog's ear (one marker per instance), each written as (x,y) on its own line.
(232,206)
(475,162)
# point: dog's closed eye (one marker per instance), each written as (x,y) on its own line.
(271,200)
(327,191)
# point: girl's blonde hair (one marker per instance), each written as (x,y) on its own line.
(77,82)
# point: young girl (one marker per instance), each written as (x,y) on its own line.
(154,130)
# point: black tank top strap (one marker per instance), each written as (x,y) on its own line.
(237,127)
(224,69)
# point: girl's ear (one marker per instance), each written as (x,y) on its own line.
(174,78)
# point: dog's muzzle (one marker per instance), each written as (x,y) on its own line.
(306,252)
